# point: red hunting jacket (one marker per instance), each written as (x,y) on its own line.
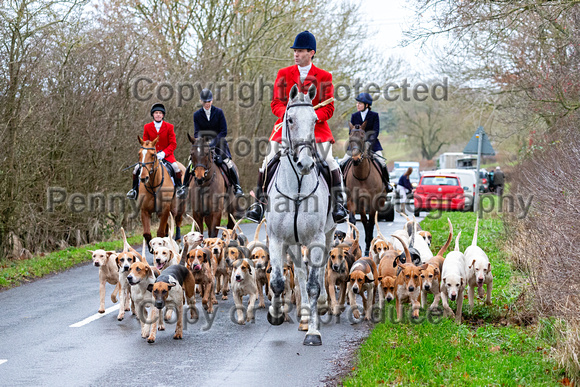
(290,76)
(166,143)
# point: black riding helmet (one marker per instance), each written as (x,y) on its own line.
(206,95)
(157,107)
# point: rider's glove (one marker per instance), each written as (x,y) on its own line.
(161,155)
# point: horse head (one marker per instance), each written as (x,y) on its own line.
(148,159)
(201,158)
(356,142)
(300,120)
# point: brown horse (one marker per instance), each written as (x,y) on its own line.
(366,192)
(156,192)
(210,196)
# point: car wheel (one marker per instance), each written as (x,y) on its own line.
(417,212)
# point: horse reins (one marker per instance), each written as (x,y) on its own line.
(292,151)
(153,189)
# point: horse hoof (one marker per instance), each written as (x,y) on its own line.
(313,340)
(275,320)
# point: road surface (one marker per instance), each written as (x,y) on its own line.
(52,335)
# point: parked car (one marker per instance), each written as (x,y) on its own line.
(467,177)
(439,191)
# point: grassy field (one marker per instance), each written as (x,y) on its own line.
(16,272)
(485,350)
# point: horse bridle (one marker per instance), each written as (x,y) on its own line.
(151,172)
(295,148)
(364,152)
(205,167)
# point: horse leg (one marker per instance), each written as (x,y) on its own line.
(275,312)
(162,230)
(303,308)
(316,292)
(365,222)
(369,230)
(146,221)
(351,212)
(214,222)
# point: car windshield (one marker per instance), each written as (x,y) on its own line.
(440,180)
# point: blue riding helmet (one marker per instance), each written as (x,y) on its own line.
(304,40)
(365,98)
(157,107)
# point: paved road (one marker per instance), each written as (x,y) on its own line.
(38,346)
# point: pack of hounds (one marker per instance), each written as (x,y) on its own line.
(401,268)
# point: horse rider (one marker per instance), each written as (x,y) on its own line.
(164,147)
(364,113)
(209,121)
(303,74)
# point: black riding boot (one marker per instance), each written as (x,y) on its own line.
(183,189)
(386,180)
(339,213)
(235,180)
(256,211)
(134,192)
(178,183)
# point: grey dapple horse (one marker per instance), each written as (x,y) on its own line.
(298,214)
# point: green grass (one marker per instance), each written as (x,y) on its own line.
(14,273)
(485,350)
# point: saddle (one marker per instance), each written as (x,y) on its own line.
(169,168)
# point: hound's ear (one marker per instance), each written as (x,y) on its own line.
(118,262)
(109,253)
(472,263)
(401,266)
(424,266)
(461,282)
(437,271)
(269,270)
(293,92)
(171,284)
(250,269)
(444,281)
(395,262)
(312,92)
(150,287)
(91,251)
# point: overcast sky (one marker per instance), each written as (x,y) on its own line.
(389,18)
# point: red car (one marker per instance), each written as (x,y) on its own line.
(439,191)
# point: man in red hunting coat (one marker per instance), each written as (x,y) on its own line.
(303,73)
(165,146)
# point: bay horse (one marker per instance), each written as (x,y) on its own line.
(209,195)
(298,214)
(157,192)
(363,183)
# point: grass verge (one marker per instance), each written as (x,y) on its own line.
(16,272)
(484,350)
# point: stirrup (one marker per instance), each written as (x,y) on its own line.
(255,213)
(181,192)
(237,190)
(132,194)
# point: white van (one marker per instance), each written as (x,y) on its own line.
(468,179)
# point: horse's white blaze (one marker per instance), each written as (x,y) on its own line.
(144,153)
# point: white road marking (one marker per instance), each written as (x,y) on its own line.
(94,317)
(2,361)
